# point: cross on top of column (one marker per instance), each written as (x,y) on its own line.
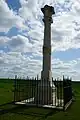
(48,11)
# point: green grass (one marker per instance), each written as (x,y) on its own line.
(6,94)
(33,113)
(7,87)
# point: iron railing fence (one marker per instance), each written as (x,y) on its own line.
(42,93)
(67,85)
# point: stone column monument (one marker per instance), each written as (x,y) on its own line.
(44,88)
(46,72)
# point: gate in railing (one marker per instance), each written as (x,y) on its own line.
(25,91)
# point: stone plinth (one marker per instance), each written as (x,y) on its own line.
(44,93)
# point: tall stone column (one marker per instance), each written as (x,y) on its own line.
(44,95)
(46,71)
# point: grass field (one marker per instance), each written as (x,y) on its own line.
(28,113)
(6,94)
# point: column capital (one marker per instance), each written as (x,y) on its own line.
(48,10)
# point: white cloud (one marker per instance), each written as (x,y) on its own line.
(3,40)
(64,28)
(21,44)
(12,63)
(8,18)
(15,63)
(67,68)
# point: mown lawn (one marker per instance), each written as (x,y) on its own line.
(6,94)
(29,113)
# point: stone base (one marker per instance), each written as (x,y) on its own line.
(43,94)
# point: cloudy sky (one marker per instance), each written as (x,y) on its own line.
(22,32)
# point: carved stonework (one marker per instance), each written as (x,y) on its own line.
(48,11)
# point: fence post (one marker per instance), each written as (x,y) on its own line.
(55,92)
(63,94)
(14,91)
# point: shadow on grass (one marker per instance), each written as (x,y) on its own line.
(26,110)
(5,108)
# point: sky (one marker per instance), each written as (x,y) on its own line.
(22,34)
